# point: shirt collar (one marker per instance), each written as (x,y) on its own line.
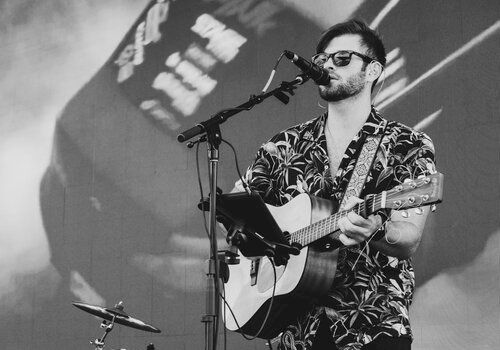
(375,124)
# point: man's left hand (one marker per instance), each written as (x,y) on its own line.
(356,229)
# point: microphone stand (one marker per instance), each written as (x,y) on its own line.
(210,129)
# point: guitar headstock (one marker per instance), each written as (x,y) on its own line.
(415,193)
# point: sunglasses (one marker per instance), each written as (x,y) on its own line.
(339,58)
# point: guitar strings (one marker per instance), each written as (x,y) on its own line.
(316,230)
(307,234)
(367,242)
(329,225)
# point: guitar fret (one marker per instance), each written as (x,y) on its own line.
(321,228)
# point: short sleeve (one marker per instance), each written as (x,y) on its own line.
(259,174)
(411,156)
(419,158)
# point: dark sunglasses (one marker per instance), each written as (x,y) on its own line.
(339,58)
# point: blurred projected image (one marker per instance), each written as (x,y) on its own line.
(99,91)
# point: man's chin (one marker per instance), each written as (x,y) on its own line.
(331,96)
(336,98)
(334,95)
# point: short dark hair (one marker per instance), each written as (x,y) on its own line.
(369,38)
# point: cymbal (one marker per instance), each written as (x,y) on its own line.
(121,316)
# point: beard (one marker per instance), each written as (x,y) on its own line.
(340,90)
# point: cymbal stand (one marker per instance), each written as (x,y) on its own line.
(108,327)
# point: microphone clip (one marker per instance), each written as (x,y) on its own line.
(289,87)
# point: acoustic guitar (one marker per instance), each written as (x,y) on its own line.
(313,223)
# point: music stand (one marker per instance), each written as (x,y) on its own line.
(249,214)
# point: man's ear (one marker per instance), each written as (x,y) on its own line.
(374,70)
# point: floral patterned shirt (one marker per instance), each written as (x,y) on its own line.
(371,292)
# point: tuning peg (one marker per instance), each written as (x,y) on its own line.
(433,208)
(419,211)
(410,182)
(405,214)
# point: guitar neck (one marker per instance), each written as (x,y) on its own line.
(329,225)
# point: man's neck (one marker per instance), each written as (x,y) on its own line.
(346,117)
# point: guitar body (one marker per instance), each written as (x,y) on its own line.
(310,274)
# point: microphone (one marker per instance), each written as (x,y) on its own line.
(320,75)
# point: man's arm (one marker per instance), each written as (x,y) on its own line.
(402,235)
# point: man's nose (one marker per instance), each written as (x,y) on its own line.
(329,64)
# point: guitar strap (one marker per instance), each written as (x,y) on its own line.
(363,165)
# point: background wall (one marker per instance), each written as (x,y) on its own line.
(98,200)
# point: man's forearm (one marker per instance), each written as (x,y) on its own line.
(401,239)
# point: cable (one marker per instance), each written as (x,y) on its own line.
(244,183)
(267,313)
(213,252)
(380,87)
(201,190)
(273,72)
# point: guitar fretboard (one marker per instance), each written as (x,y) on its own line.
(329,225)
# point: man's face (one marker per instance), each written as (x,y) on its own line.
(347,81)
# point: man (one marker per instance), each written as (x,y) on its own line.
(367,306)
